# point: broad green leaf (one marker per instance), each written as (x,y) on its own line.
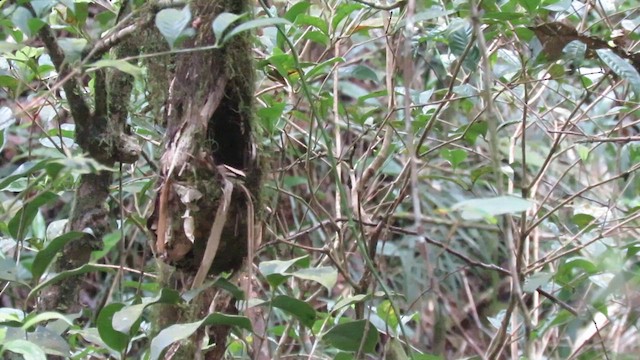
(326,275)
(314,21)
(7,47)
(23,219)
(349,336)
(48,340)
(386,313)
(6,117)
(622,68)
(125,317)
(67,274)
(477,209)
(253,24)
(3,139)
(317,36)
(41,6)
(23,170)
(121,65)
(536,280)
(458,40)
(172,22)
(474,130)
(298,8)
(575,50)
(348,301)
(222,23)
(27,349)
(179,332)
(556,5)
(343,11)
(318,68)
(298,308)
(280,266)
(115,339)
(530,5)
(72,48)
(394,350)
(503,15)
(10,271)
(363,72)
(20,18)
(36,318)
(454,156)
(45,256)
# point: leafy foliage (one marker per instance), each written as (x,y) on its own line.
(442,179)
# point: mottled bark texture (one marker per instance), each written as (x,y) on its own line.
(208,148)
(101,134)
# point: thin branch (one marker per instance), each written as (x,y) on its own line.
(396,5)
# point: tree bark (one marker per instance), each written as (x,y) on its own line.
(209,178)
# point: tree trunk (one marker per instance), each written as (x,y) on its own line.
(209,180)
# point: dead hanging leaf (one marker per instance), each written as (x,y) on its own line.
(187,195)
(213,242)
(189,226)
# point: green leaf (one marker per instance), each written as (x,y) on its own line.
(10,271)
(20,18)
(530,5)
(45,256)
(314,21)
(40,6)
(344,10)
(8,48)
(222,23)
(536,280)
(326,275)
(121,65)
(348,301)
(3,139)
(275,270)
(67,274)
(386,313)
(113,338)
(458,41)
(72,48)
(395,351)
(179,332)
(477,209)
(474,130)
(298,308)
(6,117)
(127,316)
(298,8)
(622,68)
(24,217)
(253,24)
(575,50)
(27,349)
(363,72)
(36,318)
(349,336)
(172,22)
(583,221)
(455,156)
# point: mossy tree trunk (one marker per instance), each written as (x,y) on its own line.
(203,219)
(101,133)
